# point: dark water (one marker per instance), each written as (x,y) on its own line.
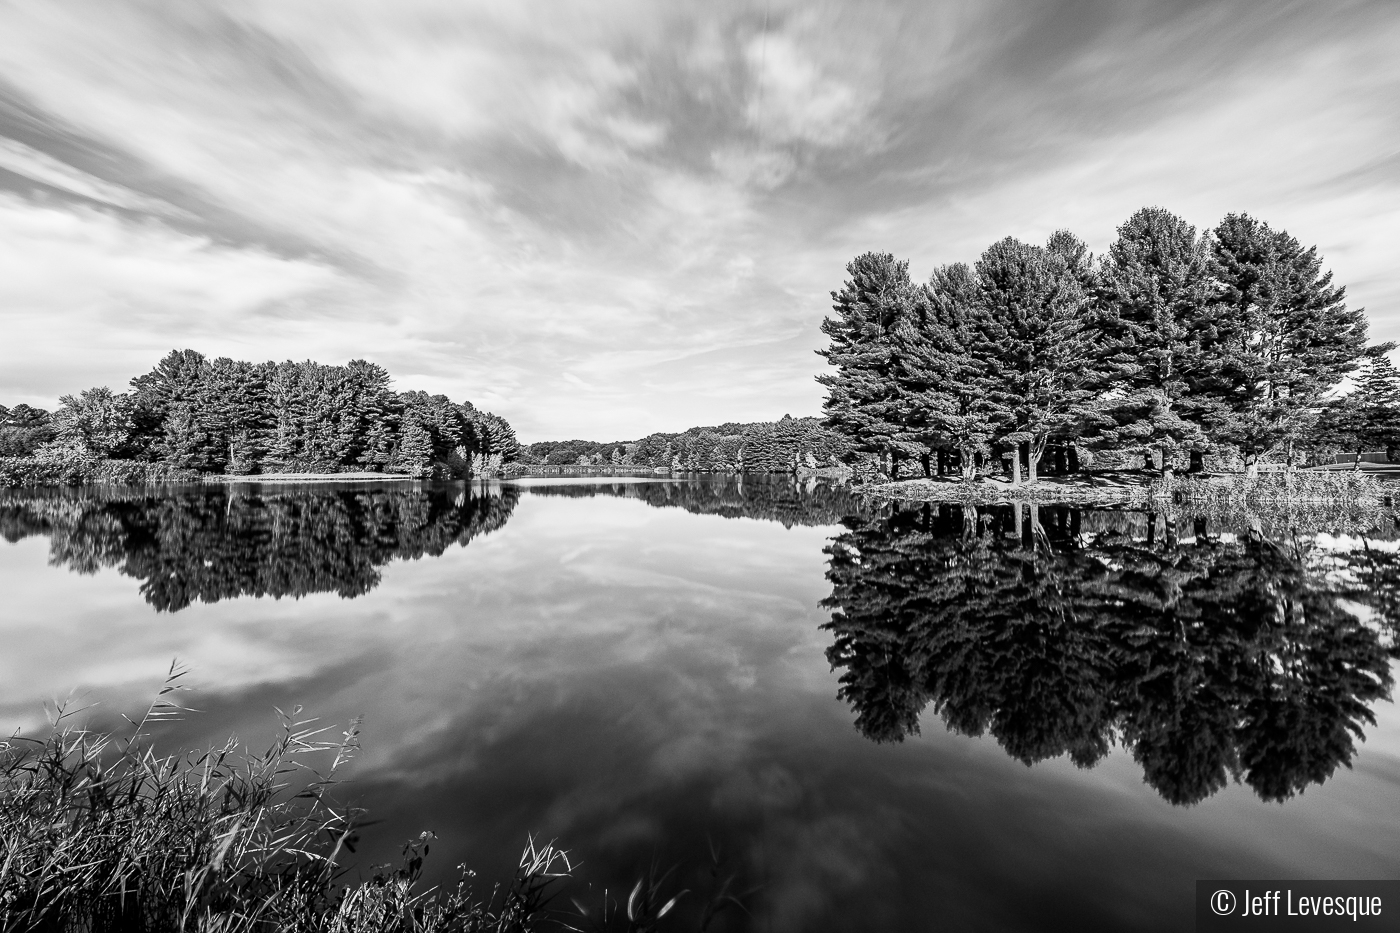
(873,717)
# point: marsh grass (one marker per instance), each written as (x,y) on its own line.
(100,832)
(1271,489)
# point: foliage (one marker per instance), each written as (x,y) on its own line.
(23,430)
(862,402)
(1279,335)
(1154,292)
(1226,344)
(210,416)
(55,465)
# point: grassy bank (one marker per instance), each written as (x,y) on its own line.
(1142,489)
(100,832)
(81,471)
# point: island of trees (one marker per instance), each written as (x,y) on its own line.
(191,415)
(1173,346)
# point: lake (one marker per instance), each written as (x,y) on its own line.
(870,717)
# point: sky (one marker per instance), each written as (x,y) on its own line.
(604,219)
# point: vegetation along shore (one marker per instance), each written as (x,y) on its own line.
(1217,352)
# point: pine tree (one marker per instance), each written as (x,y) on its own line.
(1367,418)
(1036,353)
(937,374)
(1154,291)
(1277,338)
(862,399)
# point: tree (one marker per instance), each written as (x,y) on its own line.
(862,400)
(937,375)
(1367,418)
(1037,353)
(1277,337)
(95,421)
(1154,289)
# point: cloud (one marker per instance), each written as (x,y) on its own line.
(482,196)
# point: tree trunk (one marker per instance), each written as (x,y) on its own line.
(968,464)
(1031,459)
(1251,465)
(1166,469)
(1198,462)
(1072,459)
(969,522)
(1149,463)
(1016,511)
(1014,462)
(1202,530)
(941,462)
(1169,518)
(923,461)
(1356,465)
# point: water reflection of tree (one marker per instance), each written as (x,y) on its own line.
(210,544)
(1209,659)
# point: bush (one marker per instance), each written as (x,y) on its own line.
(70,468)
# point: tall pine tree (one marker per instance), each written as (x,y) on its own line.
(862,399)
(1278,336)
(1154,293)
(937,375)
(1037,353)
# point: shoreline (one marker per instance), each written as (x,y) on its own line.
(1338,488)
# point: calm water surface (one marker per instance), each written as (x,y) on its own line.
(876,718)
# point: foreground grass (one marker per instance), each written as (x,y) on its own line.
(102,833)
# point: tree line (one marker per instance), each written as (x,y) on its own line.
(782,446)
(1173,345)
(231,416)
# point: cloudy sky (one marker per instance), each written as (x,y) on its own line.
(602,219)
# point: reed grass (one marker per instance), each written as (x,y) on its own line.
(1302,486)
(100,832)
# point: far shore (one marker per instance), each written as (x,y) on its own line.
(303,477)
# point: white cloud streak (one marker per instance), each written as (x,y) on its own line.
(653,200)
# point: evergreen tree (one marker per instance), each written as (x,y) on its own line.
(862,400)
(95,421)
(1155,289)
(937,375)
(1278,336)
(1368,418)
(1037,353)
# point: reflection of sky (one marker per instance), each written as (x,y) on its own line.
(635,681)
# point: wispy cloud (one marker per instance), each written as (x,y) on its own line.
(652,198)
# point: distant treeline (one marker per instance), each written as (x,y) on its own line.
(213,543)
(781,446)
(1211,657)
(776,499)
(228,416)
(1172,345)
